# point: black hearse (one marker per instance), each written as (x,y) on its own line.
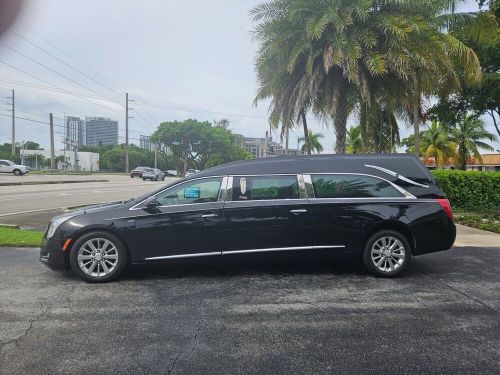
(386,208)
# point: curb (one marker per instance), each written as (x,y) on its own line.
(49,182)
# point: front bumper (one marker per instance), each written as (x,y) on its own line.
(52,254)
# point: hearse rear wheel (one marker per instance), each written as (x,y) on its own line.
(387,253)
(98,257)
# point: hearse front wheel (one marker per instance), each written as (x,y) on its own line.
(387,253)
(98,257)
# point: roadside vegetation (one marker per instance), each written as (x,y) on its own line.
(489,221)
(20,238)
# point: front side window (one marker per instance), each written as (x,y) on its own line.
(352,186)
(265,187)
(198,191)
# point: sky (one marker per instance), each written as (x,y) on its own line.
(176,59)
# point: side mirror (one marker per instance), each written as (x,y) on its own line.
(152,204)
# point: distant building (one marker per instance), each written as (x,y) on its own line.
(491,162)
(75,132)
(65,160)
(101,131)
(145,142)
(262,147)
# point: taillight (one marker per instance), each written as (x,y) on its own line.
(445,205)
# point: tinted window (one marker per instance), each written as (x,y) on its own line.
(265,187)
(352,186)
(198,191)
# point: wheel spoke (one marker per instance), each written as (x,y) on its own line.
(85,257)
(105,268)
(399,256)
(110,256)
(91,268)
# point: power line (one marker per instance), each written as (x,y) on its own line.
(65,63)
(50,69)
(52,45)
(57,87)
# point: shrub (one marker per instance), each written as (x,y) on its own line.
(470,190)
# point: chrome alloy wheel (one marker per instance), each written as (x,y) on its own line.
(98,257)
(388,254)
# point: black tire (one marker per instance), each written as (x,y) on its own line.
(163,178)
(143,179)
(131,176)
(121,251)
(17,172)
(386,260)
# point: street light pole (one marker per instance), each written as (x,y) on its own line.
(126,133)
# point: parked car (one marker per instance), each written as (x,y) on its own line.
(171,172)
(153,175)
(137,172)
(384,208)
(191,172)
(7,166)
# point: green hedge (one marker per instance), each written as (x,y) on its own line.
(470,190)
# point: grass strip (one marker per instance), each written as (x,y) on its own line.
(20,238)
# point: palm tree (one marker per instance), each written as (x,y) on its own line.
(436,143)
(326,56)
(469,136)
(354,143)
(314,143)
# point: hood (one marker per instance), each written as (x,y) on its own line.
(90,209)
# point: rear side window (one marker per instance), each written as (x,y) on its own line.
(352,186)
(265,187)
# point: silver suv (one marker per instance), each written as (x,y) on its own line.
(6,166)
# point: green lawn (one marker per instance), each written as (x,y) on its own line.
(20,238)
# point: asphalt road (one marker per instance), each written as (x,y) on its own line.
(33,205)
(254,315)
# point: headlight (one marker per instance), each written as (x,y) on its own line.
(55,224)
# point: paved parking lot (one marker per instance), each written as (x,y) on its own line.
(319,314)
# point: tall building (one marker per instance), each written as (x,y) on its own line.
(101,131)
(145,142)
(75,132)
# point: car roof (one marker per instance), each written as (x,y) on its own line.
(406,165)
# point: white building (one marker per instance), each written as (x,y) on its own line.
(65,160)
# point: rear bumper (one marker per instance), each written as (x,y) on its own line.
(52,255)
(441,240)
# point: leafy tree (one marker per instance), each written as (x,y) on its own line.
(354,143)
(329,56)
(436,143)
(312,143)
(484,96)
(469,136)
(195,144)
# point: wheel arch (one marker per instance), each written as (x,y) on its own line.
(398,226)
(87,230)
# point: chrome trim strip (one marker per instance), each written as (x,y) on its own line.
(195,255)
(265,250)
(302,186)
(407,194)
(397,175)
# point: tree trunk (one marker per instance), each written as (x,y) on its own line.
(306,133)
(287,138)
(416,127)
(340,122)
(492,114)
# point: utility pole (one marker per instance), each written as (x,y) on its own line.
(13,110)
(52,158)
(126,133)
(156,161)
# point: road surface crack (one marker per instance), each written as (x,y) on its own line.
(26,332)
(179,357)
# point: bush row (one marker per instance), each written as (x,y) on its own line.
(470,190)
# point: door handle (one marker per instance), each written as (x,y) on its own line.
(208,215)
(298,211)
